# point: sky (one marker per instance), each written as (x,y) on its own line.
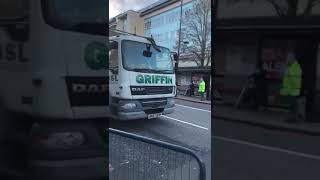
(119,6)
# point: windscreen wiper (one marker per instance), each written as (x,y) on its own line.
(144,70)
(152,70)
(153,43)
(166,71)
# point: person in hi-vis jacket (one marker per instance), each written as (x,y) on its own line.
(202,88)
(291,84)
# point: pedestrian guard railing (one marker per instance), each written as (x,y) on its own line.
(134,157)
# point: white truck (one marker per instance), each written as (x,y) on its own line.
(142,80)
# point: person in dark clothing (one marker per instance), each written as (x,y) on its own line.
(261,88)
(257,93)
(191,89)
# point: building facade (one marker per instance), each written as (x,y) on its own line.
(162,21)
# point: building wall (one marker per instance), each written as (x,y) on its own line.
(135,23)
(170,7)
(132,21)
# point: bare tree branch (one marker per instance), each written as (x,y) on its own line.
(277,7)
(196,26)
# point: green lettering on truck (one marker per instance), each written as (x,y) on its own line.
(153,79)
(140,79)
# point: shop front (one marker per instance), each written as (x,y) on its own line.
(188,75)
(245,44)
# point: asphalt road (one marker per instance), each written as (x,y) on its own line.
(189,126)
(253,153)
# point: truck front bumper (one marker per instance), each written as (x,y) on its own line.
(139,115)
(141,108)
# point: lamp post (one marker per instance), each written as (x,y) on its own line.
(179,41)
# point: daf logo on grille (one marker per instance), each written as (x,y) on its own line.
(138,89)
(89,88)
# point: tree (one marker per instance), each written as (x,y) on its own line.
(287,7)
(196,30)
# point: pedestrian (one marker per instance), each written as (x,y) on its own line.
(291,85)
(192,89)
(259,92)
(202,88)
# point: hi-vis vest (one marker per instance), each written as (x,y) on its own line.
(202,86)
(291,84)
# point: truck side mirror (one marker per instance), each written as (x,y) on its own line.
(147,53)
(114,45)
(114,70)
(176,67)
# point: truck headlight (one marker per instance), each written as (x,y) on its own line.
(127,105)
(61,140)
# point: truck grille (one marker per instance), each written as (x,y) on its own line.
(151,90)
(153,103)
(88,91)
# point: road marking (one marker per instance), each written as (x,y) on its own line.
(310,156)
(194,125)
(193,108)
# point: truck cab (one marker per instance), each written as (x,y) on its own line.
(142,81)
(55,54)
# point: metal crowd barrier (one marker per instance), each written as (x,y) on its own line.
(134,157)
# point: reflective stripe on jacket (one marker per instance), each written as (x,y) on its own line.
(291,84)
(202,86)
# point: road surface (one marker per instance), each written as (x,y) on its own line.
(253,153)
(189,126)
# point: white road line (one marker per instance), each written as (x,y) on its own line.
(194,108)
(194,125)
(309,156)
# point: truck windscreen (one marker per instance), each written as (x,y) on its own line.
(76,15)
(134,60)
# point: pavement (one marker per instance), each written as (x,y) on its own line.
(271,119)
(192,99)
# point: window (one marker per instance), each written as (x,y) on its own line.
(125,25)
(147,25)
(113,56)
(166,37)
(133,59)
(76,15)
(14,9)
(173,35)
